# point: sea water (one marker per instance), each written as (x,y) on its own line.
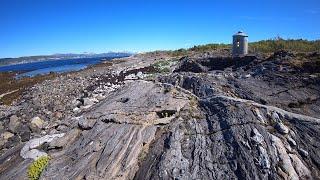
(57,66)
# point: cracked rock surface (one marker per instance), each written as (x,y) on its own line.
(210,118)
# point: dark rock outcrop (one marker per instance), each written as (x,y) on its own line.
(190,65)
(198,65)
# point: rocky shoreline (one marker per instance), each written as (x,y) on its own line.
(154,116)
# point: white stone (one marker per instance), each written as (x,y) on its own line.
(76,109)
(131,77)
(29,150)
(37,123)
(35,154)
(140,75)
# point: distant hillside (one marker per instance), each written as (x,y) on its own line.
(27,59)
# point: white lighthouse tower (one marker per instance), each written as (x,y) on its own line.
(240,44)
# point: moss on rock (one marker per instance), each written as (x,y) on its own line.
(36,168)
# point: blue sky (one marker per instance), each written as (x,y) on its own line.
(38,27)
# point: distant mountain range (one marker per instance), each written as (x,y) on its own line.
(28,59)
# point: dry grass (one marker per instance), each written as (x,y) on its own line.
(307,62)
(103,64)
(8,84)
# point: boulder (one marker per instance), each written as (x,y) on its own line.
(12,141)
(36,124)
(24,132)
(14,123)
(6,135)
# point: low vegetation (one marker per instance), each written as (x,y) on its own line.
(8,84)
(210,47)
(162,66)
(265,46)
(272,45)
(36,168)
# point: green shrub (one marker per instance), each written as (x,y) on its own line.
(272,45)
(179,52)
(210,47)
(164,70)
(37,166)
(264,46)
(162,66)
